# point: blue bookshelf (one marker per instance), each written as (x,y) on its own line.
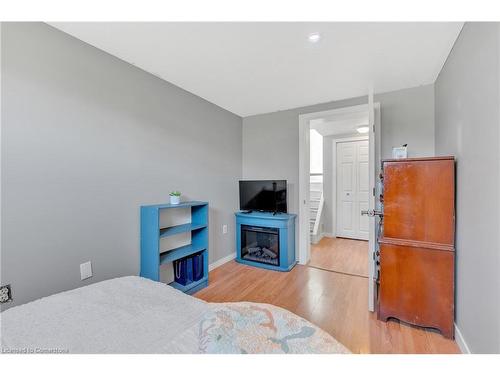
(152,232)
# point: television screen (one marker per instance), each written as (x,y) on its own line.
(263,195)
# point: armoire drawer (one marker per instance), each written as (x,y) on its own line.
(416,286)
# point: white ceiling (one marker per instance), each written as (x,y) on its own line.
(251,68)
(340,124)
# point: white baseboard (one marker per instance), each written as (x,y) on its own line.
(320,236)
(459,338)
(221,261)
(316,238)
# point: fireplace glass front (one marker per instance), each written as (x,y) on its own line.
(260,244)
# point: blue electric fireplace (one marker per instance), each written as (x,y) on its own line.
(266,240)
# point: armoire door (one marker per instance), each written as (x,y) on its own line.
(352,189)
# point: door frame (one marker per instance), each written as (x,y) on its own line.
(334,202)
(304,248)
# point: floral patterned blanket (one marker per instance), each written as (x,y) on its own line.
(245,327)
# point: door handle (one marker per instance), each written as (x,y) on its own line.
(372,213)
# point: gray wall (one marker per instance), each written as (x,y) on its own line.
(271,140)
(87,139)
(467,126)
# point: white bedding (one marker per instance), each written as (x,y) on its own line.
(123,315)
(137,315)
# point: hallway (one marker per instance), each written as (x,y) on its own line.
(340,255)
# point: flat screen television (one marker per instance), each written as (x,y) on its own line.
(263,195)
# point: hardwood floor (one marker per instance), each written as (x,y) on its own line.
(341,255)
(336,302)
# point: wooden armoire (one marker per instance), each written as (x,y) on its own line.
(417,254)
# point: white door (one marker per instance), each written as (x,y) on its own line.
(363,189)
(352,189)
(374,145)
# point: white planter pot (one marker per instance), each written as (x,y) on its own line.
(175,199)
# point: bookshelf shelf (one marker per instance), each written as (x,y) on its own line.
(170,231)
(178,253)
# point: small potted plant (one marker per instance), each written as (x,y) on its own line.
(175,197)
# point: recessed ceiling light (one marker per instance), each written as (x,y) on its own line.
(363,129)
(314,37)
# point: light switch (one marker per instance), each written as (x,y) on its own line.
(224,229)
(85,270)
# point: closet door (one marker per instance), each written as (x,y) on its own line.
(352,189)
(346,189)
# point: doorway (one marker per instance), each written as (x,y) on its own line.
(339,152)
(344,126)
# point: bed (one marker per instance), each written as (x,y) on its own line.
(136,315)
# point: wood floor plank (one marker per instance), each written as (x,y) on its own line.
(340,255)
